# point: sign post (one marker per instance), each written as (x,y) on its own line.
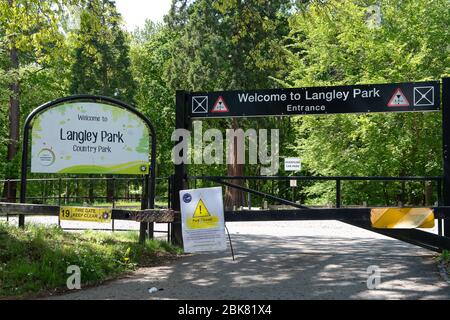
(446,148)
(179,181)
(90,134)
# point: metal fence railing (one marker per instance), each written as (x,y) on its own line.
(125,192)
(253,190)
(122,192)
(338,181)
(71,189)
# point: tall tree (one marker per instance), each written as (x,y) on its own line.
(29,33)
(151,53)
(341,42)
(101,56)
(102,63)
(225,45)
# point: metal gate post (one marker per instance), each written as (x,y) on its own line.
(144,205)
(181,122)
(338,193)
(446,147)
(439,203)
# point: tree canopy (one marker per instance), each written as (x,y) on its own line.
(55,48)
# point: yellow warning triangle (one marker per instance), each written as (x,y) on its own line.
(201,210)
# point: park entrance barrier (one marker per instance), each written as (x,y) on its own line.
(386,98)
(399,97)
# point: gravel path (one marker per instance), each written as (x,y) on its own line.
(288,260)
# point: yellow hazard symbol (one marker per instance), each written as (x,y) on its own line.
(202,218)
(201,210)
(402,218)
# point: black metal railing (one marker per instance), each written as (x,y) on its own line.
(67,190)
(337,180)
(73,191)
(56,189)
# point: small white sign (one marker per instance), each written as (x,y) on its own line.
(202,220)
(293,183)
(292,164)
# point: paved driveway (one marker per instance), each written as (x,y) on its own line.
(289,260)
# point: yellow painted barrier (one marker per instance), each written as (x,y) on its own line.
(402,218)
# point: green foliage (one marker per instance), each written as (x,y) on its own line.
(31,26)
(445,256)
(101,53)
(36,259)
(151,53)
(30,30)
(332,43)
(227,44)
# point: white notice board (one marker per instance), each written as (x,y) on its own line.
(202,220)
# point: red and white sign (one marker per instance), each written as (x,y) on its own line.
(220,106)
(398,99)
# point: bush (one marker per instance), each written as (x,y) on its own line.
(36,258)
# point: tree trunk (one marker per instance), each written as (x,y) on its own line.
(234,197)
(428,194)
(14,124)
(91,191)
(110,189)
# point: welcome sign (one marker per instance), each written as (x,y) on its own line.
(89,137)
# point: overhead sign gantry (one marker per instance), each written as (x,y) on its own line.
(393,97)
(365,98)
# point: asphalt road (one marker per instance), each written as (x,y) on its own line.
(289,260)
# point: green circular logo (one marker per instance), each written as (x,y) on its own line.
(46,157)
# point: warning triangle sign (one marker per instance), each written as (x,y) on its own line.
(201,211)
(398,99)
(220,106)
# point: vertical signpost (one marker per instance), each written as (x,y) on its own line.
(446,147)
(90,135)
(179,181)
(292,165)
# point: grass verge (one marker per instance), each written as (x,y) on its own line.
(34,260)
(444,260)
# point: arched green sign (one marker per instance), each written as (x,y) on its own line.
(89,137)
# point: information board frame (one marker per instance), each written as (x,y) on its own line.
(148,190)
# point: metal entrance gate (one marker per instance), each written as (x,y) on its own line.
(191,106)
